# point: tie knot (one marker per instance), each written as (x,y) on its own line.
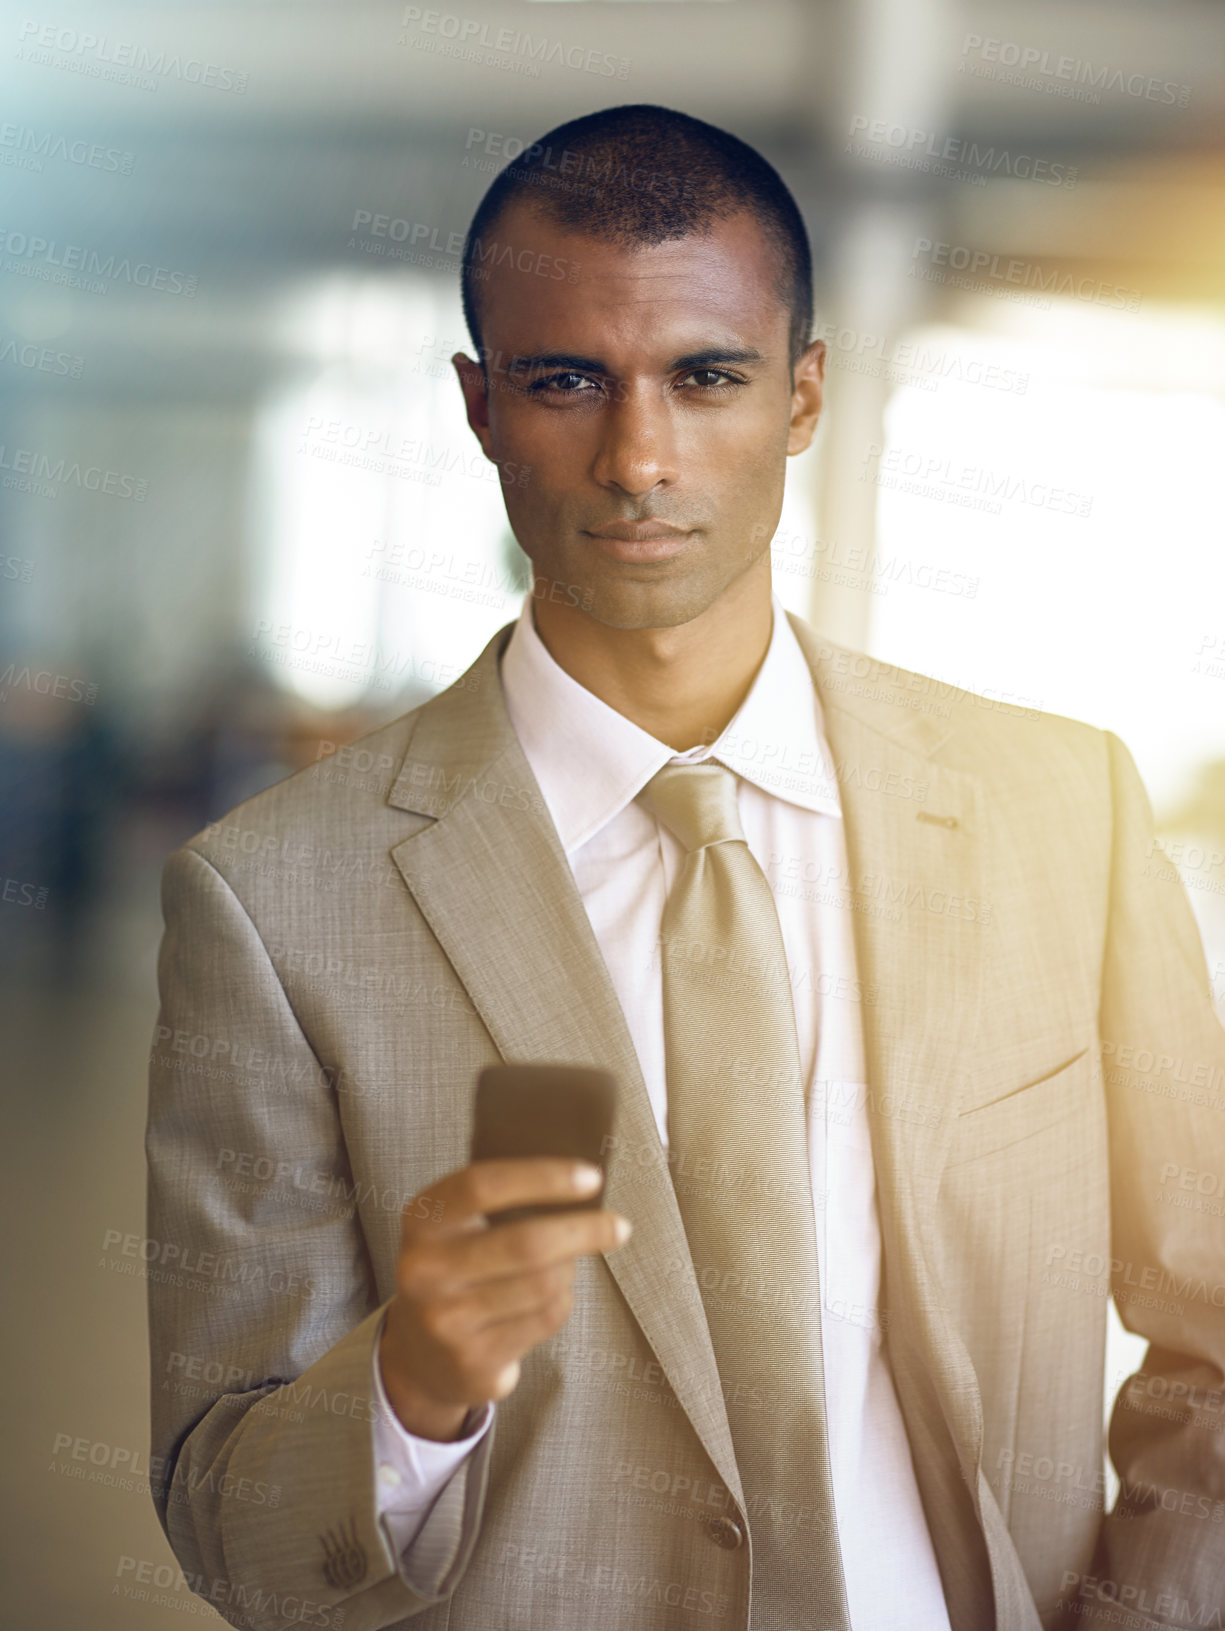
(696,802)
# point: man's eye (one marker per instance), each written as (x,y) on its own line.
(565,383)
(712,378)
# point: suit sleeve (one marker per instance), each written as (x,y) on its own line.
(262,1304)
(412,1471)
(1161,1554)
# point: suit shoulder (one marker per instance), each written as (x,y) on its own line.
(341,787)
(998,736)
(982,720)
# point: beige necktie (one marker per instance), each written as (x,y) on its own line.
(738,1152)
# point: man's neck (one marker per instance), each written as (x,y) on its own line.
(681,685)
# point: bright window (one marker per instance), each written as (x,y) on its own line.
(388,561)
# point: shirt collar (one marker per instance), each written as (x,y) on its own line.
(590,761)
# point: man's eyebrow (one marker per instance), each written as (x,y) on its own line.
(716,354)
(557,359)
(710,358)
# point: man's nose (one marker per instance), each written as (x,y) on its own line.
(638,447)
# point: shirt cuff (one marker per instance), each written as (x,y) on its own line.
(410,1472)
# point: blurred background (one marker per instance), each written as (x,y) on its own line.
(229,254)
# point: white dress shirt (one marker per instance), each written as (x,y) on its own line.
(590,762)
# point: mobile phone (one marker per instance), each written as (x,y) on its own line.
(543,1109)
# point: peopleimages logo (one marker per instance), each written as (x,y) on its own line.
(98,56)
(982,268)
(486,256)
(24,354)
(1057,75)
(474,39)
(24,465)
(77,266)
(954,156)
(931,475)
(31,146)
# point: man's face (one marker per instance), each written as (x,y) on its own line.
(655,387)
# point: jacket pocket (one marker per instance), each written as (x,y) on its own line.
(1025,1086)
(1022,1112)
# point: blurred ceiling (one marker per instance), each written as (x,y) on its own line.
(332,110)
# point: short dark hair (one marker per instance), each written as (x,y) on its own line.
(637,175)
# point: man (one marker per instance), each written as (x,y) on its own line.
(910,1019)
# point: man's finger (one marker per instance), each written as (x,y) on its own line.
(459,1200)
(455,1321)
(533,1244)
(451,1267)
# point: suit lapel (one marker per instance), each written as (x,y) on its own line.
(914,848)
(492,880)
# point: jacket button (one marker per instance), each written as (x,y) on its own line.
(724,1532)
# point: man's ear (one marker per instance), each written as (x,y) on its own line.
(475,386)
(808,393)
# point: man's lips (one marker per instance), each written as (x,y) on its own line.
(637,532)
(639,540)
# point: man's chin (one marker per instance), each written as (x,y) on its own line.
(626,603)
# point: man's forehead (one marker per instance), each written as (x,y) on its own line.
(704,287)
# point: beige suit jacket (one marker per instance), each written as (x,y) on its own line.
(346,950)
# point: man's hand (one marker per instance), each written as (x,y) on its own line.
(471,1298)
